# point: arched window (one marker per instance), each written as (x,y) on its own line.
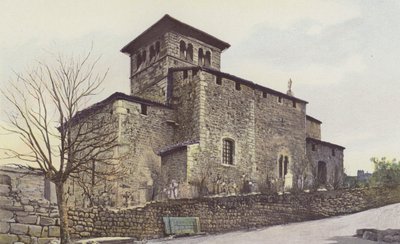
(182,49)
(200,57)
(158,47)
(283,165)
(207,59)
(228,151)
(152,52)
(189,53)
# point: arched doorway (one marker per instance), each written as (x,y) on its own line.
(321,174)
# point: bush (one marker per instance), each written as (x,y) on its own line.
(386,173)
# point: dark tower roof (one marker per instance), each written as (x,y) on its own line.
(166,24)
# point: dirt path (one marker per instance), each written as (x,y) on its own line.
(337,230)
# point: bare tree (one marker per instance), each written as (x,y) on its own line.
(44,113)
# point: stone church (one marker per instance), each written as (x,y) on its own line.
(188,126)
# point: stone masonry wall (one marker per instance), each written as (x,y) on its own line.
(313,129)
(222,214)
(333,158)
(26,217)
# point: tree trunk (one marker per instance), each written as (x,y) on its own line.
(63,211)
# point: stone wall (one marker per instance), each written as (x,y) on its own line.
(313,128)
(25,216)
(230,213)
(330,155)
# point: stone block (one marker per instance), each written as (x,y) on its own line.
(4,227)
(30,219)
(84,234)
(45,232)
(19,229)
(5,215)
(22,213)
(29,208)
(35,230)
(54,231)
(47,221)
(24,239)
(8,238)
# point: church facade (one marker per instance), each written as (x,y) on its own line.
(190,126)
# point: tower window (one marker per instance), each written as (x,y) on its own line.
(294,104)
(228,150)
(283,165)
(333,152)
(200,57)
(218,80)
(237,86)
(279,99)
(185,74)
(144,56)
(189,53)
(313,148)
(143,109)
(207,59)
(182,50)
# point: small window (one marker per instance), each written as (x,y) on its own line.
(264,94)
(228,150)
(144,56)
(200,57)
(237,86)
(152,52)
(333,152)
(143,109)
(294,104)
(182,49)
(313,148)
(189,53)
(279,99)
(185,74)
(128,110)
(280,165)
(218,80)
(207,59)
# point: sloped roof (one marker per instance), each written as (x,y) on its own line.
(325,143)
(166,24)
(308,117)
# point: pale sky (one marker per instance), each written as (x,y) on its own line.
(342,56)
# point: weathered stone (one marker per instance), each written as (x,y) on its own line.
(4,227)
(24,239)
(84,234)
(369,235)
(5,215)
(29,208)
(21,213)
(79,228)
(30,219)
(8,238)
(47,221)
(45,231)
(35,230)
(20,229)
(54,231)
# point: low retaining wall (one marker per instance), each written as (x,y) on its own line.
(221,214)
